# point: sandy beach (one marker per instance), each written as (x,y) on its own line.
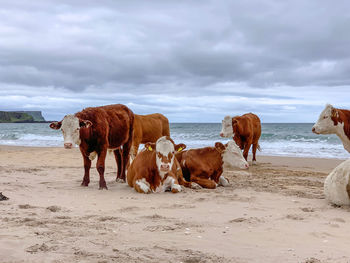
(273,212)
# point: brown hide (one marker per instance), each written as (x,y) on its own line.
(112,127)
(202,166)
(247,132)
(148,128)
(342,116)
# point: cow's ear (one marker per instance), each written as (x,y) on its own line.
(56,125)
(179,147)
(85,123)
(220,147)
(335,113)
(234,121)
(150,146)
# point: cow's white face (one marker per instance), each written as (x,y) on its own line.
(325,124)
(165,155)
(226,128)
(233,157)
(70,127)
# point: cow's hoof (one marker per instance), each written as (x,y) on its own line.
(196,186)
(103,187)
(120,180)
(84,184)
(254,163)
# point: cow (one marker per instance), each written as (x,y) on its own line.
(337,184)
(245,130)
(148,128)
(205,166)
(96,130)
(334,121)
(155,168)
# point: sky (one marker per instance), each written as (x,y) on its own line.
(193,61)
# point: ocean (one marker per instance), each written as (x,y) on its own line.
(277,139)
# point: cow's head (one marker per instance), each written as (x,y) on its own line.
(327,122)
(70,127)
(231,155)
(165,149)
(226,127)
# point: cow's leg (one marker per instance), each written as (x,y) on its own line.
(100,166)
(87,166)
(255,146)
(247,145)
(125,157)
(171,183)
(223,181)
(205,183)
(118,159)
(142,186)
(134,149)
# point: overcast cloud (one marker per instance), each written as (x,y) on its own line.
(194,61)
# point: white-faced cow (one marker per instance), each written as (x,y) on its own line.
(245,130)
(205,166)
(334,121)
(337,185)
(96,130)
(155,168)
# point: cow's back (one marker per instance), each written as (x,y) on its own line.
(151,127)
(141,166)
(252,125)
(111,124)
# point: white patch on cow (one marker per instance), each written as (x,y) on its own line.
(223,181)
(325,125)
(70,129)
(144,185)
(226,127)
(164,147)
(92,155)
(176,187)
(335,184)
(195,186)
(169,184)
(184,162)
(233,157)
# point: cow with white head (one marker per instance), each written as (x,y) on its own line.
(334,121)
(155,168)
(96,130)
(205,166)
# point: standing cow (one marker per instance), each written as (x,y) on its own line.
(205,166)
(334,121)
(245,130)
(96,130)
(148,128)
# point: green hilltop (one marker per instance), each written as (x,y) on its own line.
(21,116)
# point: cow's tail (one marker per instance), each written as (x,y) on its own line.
(259,148)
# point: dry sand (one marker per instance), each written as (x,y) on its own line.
(274,212)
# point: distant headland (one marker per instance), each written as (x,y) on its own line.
(21,117)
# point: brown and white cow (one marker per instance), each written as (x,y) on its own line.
(148,128)
(155,168)
(245,130)
(205,166)
(334,121)
(96,130)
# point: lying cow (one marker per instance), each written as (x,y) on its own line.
(337,185)
(205,166)
(155,168)
(148,128)
(96,130)
(334,121)
(245,130)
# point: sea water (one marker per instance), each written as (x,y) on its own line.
(279,139)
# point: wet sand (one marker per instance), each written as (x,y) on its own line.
(273,212)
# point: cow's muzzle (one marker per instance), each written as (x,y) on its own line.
(164,167)
(68,145)
(314,130)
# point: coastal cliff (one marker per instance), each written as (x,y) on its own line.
(21,116)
